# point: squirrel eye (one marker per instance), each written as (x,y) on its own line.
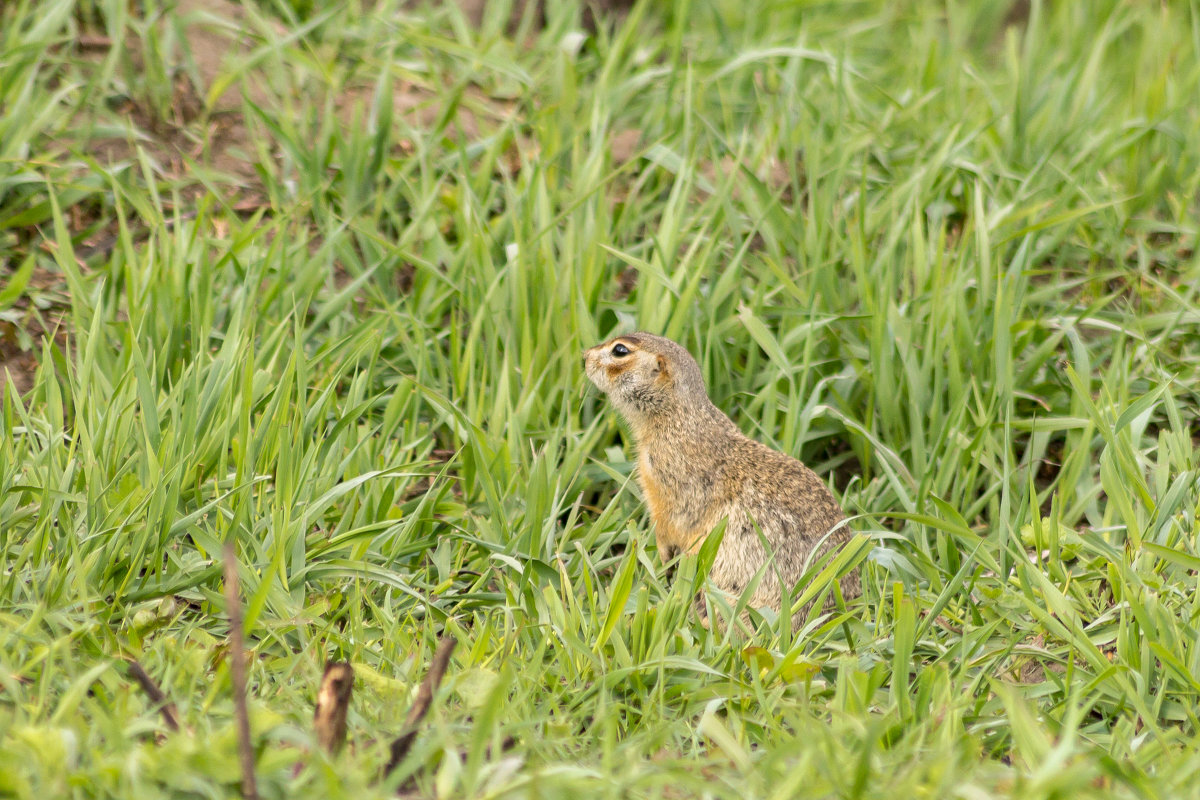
(620,350)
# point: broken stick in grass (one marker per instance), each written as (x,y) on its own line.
(237,673)
(165,706)
(333,702)
(420,707)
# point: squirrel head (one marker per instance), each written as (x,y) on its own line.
(645,375)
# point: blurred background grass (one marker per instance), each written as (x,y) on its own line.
(317,278)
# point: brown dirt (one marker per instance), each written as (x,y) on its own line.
(15,365)
(1018,14)
(772,172)
(594,12)
(624,145)
(27,324)
(218,141)
(215,35)
(198,134)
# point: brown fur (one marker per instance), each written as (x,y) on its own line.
(696,468)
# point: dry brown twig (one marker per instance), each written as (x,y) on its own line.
(237,671)
(165,706)
(333,697)
(333,702)
(402,744)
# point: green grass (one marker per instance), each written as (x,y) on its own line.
(949,263)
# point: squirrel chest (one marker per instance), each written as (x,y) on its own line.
(681,515)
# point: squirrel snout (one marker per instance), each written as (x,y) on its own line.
(589,363)
(592,357)
(594,366)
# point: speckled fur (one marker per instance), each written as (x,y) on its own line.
(696,468)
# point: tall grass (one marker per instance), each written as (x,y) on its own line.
(944,254)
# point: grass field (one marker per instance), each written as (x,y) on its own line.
(315,278)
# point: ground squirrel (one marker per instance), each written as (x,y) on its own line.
(696,468)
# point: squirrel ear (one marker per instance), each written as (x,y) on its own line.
(662,365)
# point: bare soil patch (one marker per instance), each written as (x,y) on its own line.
(200,140)
(40,313)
